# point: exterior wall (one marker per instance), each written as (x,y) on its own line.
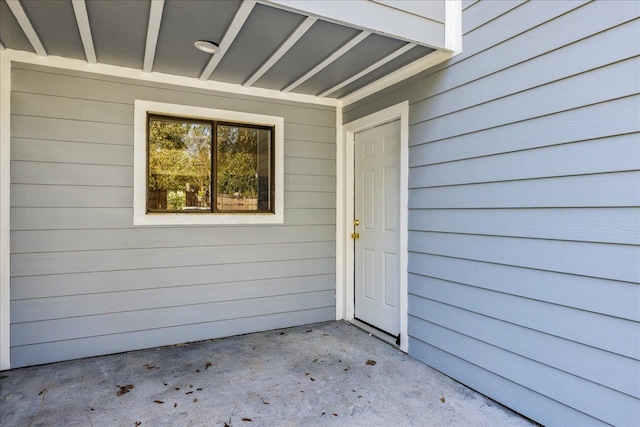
(524,219)
(86,282)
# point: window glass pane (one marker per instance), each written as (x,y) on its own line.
(179,165)
(243,169)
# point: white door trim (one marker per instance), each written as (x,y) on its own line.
(345,205)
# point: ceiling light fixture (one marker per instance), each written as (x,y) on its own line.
(207,46)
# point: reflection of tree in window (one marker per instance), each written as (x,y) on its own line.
(237,160)
(179,165)
(242,168)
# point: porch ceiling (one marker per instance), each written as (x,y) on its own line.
(261,45)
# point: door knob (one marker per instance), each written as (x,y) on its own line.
(355,236)
(356,222)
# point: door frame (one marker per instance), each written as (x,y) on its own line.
(345,307)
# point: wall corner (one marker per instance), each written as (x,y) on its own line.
(5,187)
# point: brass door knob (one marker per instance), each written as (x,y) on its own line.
(355,236)
(356,222)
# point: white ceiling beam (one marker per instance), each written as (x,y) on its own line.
(284,48)
(232,32)
(153,29)
(27,28)
(331,58)
(82,19)
(369,69)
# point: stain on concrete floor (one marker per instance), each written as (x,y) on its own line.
(323,374)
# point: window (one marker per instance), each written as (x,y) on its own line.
(203,166)
(189,160)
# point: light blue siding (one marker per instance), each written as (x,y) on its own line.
(524,209)
(86,282)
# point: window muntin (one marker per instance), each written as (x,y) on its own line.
(187,158)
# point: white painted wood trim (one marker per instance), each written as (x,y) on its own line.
(82,19)
(130,73)
(282,50)
(140,216)
(5,209)
(342,238)
(25,24)
(232,32)
(453,26)
(427,9)
(417,66)
(345,215)
(369,69)
(374,17)
(331,58)
(1,45)
(153,29)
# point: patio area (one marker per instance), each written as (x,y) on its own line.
(323,374)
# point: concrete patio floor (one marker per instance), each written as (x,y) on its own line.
(323,374)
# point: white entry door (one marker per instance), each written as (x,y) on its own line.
(377,219)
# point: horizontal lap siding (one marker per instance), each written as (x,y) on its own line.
(86,282)
(524,209)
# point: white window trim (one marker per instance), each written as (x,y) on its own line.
(140,216)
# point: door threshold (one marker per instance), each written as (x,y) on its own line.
(372,330)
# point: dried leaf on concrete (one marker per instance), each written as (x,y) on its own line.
(124,389)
